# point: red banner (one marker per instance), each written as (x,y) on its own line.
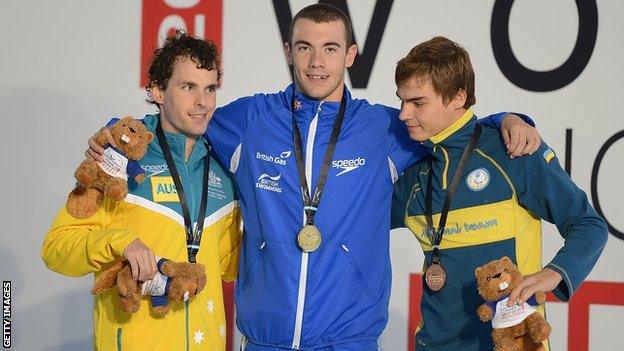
(161,18)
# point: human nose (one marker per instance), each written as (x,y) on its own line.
(201,99)
(405,114)
(316,59)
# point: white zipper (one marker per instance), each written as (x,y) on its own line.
(303,275)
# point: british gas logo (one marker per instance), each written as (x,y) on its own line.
(280,160)
(164,190)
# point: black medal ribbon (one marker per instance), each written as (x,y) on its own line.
(311,203)
(193,235)
(435,236)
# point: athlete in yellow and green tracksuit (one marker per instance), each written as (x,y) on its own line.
(151,212)
(495,212)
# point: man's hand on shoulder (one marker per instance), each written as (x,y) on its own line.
(520,138)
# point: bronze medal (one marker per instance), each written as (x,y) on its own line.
(435,277)
(309,238)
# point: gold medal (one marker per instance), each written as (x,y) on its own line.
(435,277)
(309,238)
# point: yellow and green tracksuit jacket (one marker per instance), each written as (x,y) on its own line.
(495,212)
(151,212)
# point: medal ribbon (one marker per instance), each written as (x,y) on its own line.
(193,237)
(435,236)
(311,203)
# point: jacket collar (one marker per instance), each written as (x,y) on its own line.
(177,143)
(455,136)
(307,107)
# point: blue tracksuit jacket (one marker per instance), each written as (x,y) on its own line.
(339,293)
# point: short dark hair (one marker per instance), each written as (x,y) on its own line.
(181,45)
(323,13)
(445,63)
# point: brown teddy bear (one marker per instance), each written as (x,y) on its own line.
(516,327)
(174,281)
(110,176)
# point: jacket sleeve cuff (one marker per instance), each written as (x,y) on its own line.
(496,120)
(565,289)
(525,118)
(120,241)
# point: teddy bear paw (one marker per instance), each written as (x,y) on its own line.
(540,332)
(116,193)
(161,310)
(84,178)
(506,344)
(129,305)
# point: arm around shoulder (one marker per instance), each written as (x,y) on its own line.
(229,124)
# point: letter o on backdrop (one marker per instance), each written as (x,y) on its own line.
(554,79)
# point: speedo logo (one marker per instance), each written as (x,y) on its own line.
(280,160)
(270,183)
(348,165)
(155,169)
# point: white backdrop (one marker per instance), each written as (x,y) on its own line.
(67,66)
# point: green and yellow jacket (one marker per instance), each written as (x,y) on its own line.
(496,211)
(151,212)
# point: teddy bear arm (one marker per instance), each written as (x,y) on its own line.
(540,297)
(140,178)
(160,305)
(503,340)
(116,188)
(537,327)
(100,138)
(168,268)
(485,313)
(125,284)
(201,276)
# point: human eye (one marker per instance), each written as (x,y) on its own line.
(303,48)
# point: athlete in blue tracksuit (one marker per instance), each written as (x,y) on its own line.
(337,296)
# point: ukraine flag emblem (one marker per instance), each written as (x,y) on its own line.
(548,155)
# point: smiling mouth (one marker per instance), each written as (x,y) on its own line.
(317,77)
(198,115)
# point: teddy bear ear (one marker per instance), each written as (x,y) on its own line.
(478,271)
(149,137)
(126,119)
(506,260)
